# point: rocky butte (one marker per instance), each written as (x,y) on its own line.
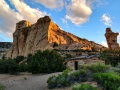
(44,34)
(111,38)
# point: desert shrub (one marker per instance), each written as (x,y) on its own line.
(23,67)
(78,76)
(62,81)
(118,88)
(34,66)
(109,81)
(82,67)
(3,57)
(29,58)
(66,78)
(52,82)
(97,68)
(83,87)
(18,59)
(111,57)
(2,87)
(25,78)
(46,62)
(9,66)
(59,81)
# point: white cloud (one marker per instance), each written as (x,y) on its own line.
(26,11)
(78,12)
(104,43)
(52,4)
(9,17)
(64,20)
(98,3)
(106,19)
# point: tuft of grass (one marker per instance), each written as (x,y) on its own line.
(2,87)
(25,78)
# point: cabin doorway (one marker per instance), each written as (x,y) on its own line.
(76,65)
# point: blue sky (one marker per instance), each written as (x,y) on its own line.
(84,18)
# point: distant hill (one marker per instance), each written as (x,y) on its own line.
(4,46)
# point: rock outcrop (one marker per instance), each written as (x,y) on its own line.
(111,38)
(43,35)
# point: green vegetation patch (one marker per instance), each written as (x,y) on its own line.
(46,62)
(83,87)
(97,68)
(67,78)
(9,66)
(2,87)
(111,57)
(41,62)
(109,81)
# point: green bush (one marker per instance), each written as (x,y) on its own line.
(23,67)
(111,57)
(52,82)
(34,66)
(109,81)
(25,78)
(46,62)
(98,68)
(83,87)
(9,66)
(118,88)
(59,81)
(18,59)
(80,75)
(2,87)
(66,78)
(82,67)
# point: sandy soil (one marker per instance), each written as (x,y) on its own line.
(32,82)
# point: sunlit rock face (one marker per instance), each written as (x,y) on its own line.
(28,38)
(111,38)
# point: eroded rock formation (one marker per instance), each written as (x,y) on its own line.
(111,38)
(42,35)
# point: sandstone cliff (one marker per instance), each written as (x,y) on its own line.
(42,35)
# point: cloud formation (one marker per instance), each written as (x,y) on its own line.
(78,11)
(106,19)
(64,20)
(28,13)
(52,4)
(9,17)
(104,43)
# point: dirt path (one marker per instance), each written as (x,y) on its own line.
(33,82)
